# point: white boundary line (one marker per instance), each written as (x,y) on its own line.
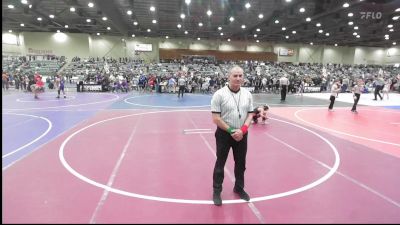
(158,106)
(22,147)
(53,100)
(62,106)
(339,132)
(173,200)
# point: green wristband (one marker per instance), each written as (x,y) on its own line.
(230,130)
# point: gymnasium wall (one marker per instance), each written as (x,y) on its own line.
(85,45)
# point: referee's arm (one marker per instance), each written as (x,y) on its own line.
(216,116)
(250,115)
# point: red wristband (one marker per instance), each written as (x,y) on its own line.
(244,129)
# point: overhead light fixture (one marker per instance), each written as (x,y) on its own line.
(179,26)
(39,18)
(294,32)
(129,12)
(187,2)
(135,23)
(326,34)
(11,6)
(98,34)
(183,16)
(320,31)
(288,0)
(154,21)
(166,37)
(229,39)
(247,5)
(355,28)
(355,33)
(66,26)
(345,5)
(397,10)
(390,25)
(22,25)
(88,20)
(133,35)
(24,2)
(243,26)
(302,10)
(231,18)
(260,15)
(72,9)
(311,43)
(395,17)
(394,43)
(350,23)
(308,19)
(257,41)
(287,37)
(255,35)
(222,34)
(336,44)
(51,16)
(58,31)
(198,38)
(318,24)
(108,28)
(104,18)
(152,8)
(276,21)
(391,30)
(200,24)
(283,28)
(350,14)
(186,32)
(258,29)
(149,30)
(219,28)
(90,4)
(358,36)
(10,31)
(209,13)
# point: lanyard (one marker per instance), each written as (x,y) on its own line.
(237,103)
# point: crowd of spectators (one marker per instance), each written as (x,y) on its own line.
(203,74)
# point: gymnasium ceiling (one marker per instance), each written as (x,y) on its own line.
(331,14)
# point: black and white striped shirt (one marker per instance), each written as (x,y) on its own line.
(232,106)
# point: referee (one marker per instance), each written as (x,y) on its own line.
(232,111)
(284,83)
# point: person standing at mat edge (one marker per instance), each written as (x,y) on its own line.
(232,112)
(182,85)
(284,83)
(357,94)
(334,91)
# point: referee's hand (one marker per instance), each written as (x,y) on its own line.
(237,135)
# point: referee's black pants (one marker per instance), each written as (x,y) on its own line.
(354,108)
(283,92)
(224,143)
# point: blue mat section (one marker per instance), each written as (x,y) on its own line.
(393,107)
(22,130)
(163,101)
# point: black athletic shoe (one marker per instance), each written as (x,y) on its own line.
(242,194)
(217,199)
